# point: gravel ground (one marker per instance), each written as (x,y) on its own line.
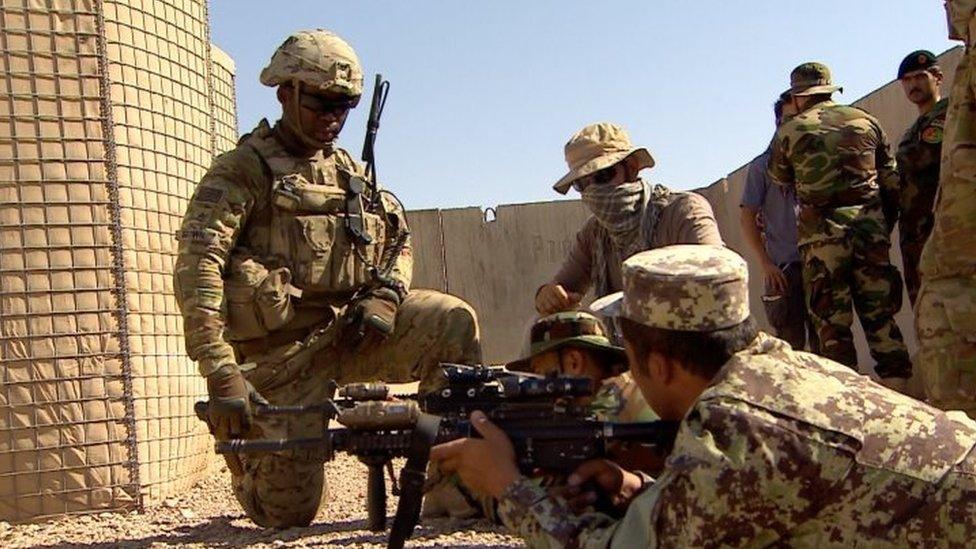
(208,516)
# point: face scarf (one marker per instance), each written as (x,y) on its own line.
(629,212)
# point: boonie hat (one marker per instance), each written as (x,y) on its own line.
(596,147)
(569,328)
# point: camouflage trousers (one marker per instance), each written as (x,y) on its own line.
(841,273)
(945,319)
(283,489)
(913,237)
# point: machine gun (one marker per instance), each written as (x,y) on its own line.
(549,431)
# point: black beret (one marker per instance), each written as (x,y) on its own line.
(917,61)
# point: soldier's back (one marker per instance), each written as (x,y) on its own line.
(794,447)
(830,146)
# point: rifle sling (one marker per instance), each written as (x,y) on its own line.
(412,478)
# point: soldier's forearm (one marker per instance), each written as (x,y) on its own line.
(199,293)
(546,521)
(753,238)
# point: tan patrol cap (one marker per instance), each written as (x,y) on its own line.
(688,287)
(595,147)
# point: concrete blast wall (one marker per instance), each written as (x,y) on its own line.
(498,265)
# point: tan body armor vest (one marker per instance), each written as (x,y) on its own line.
(294,250)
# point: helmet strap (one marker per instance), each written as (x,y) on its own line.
(293,120)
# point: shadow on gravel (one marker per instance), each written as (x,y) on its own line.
(221,532)
(431,530)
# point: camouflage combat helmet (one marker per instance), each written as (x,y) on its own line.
(688,287)
(318,59)
(571,328)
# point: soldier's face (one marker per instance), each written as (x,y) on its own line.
(322,117)
(567,361)
(546,363)
(920,86)
(319,117)
(612,176)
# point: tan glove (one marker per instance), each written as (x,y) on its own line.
(231,400)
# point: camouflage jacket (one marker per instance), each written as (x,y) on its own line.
(838,159)
(918,158)
(264,251)
(790,449)
(951,248)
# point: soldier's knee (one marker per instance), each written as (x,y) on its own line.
(462,333)
(278,492)
(462,318)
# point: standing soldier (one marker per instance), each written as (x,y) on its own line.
(946,309)
(918,159)
(838,160)
(293,272)
(775,244)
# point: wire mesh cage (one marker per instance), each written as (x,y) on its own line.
(110,112)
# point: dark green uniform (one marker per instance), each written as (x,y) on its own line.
(919,154)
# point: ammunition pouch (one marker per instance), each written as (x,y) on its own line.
(258,300)
(309,233)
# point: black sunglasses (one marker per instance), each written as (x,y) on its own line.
(325,105)
(600,177)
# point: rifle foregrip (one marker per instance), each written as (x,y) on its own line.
(376,498)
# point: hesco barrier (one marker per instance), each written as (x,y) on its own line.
(110,112)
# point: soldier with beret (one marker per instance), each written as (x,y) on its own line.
(775,447)
(291,273)
(918,156)
(838,160)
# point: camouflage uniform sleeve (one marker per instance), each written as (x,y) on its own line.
(547,521)
(211,225)
(738,477)
(402,270)
(780,168)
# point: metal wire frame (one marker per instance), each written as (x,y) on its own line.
(132,164)
(62,118)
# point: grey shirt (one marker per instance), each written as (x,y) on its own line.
(778,207)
